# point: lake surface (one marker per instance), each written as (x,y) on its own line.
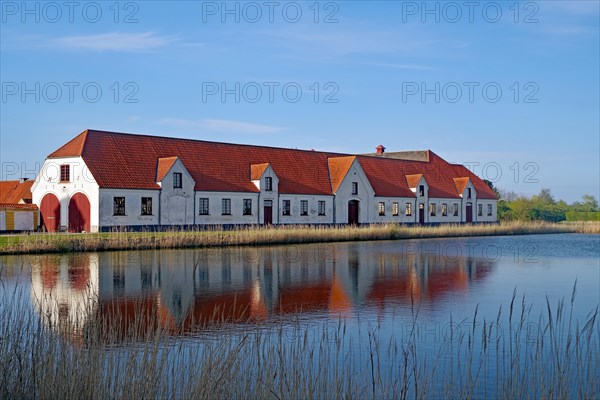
(393,287)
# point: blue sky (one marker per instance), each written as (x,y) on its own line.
(511,89)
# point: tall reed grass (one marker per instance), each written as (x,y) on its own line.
(57,243)
(516,355)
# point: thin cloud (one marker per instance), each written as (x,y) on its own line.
(221,126)
(114,41)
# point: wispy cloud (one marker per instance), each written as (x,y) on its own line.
(113,41)
(221,126)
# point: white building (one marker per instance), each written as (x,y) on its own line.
(106,180)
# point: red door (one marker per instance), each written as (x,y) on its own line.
(353,212)
(421,214)
(50,210)
(268,213)
(469,216)
(79,213)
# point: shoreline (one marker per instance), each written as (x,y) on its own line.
(260,236)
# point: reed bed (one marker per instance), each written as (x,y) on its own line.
(516,355)
(252,236)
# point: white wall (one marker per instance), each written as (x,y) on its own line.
(313,210)
(133,208)
(485,217)
(421,200)
(401,218)
(272,195)
(216,217)
(177,205)
(344,195)
(450,218)
(48,181)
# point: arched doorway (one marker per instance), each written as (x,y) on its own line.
(353,212)
(79,213)
(469,212)
(50,210)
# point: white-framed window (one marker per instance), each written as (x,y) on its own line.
(65,173)
(203,206)
(304,207)
(146,205)
(489,213)
(455,213)
(408,209)
(381,208)
(444,210)
(395,209)
(421,190)
(268,184)
(177,180)
(287,207)
(480,209)
(321,207)
(247,207)
(226,206)
(468,193)
(119,206)
(354,188)
(432,209)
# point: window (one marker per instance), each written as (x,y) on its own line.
(146,205)
(203,207)
(247,207)
(432,209)
(304,207)
(226,206)
(286,207)
(489,209)
(268,184)
(408,209)
(65,173)
(354,188)
(381,208)
(395,209)
(480,209)
(421,190)
(321,208)
(444,210)
(468,193)
(119,206)
(455,209)
(177,180)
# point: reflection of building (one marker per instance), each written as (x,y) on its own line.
(187,291)
(104,180)
(64,290)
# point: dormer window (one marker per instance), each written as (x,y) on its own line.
(177,180)
(421,190)
(268,184)
(65,173)
(354,188)
(468,193)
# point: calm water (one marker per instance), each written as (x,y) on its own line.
(368,285)
(365,280)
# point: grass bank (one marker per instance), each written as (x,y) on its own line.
(517,354)
(59,243)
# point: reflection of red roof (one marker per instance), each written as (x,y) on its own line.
(49,272)
(304,298)
(119,160)
(126,318)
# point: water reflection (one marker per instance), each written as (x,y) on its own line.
(185,291)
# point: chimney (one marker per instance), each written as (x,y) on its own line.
(380,149)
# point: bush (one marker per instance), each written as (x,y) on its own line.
(583,216)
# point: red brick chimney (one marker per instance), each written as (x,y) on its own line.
(380,149)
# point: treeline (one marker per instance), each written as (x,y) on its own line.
(543,207)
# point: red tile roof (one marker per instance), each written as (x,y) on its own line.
(13,192)
(19,206)
(338,169)
(413,180)
(163,167)
(120,160)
